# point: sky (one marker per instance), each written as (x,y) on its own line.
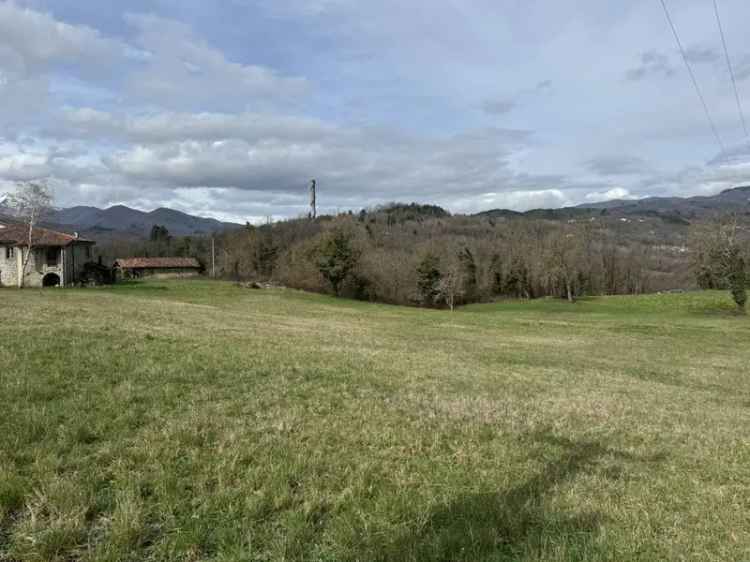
(228,108)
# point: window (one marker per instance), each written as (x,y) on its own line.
(52,256)
(10,252)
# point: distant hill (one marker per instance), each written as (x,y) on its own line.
(736,199)
(403,212)
(123,222)
(124,219)
(670,209)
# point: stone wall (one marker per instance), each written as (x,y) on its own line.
(70,262)
(8,267)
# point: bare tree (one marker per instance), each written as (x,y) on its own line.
(718,259)
(29,203)
(450,287)
(564,260)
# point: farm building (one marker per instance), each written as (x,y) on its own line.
(57,258)
(130,268)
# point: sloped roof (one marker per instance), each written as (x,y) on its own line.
(157,263)
(17,234)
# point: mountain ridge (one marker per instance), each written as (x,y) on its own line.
(120,218)
(693,207)
(120,221)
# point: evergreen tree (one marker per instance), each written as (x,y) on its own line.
(337,257)
(428,279)
(468,274)
(737,278)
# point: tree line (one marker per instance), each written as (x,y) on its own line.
(421,255)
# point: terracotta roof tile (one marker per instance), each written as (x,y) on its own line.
(17,234)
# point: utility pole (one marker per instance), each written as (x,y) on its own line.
(213,258)
(313,209)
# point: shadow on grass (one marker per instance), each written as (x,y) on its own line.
(518,523)
(138,285)
(725,310)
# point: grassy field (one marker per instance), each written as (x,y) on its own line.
(201,421)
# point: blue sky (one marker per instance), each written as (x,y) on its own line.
(228,108)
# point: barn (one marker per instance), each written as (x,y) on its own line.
(135,268)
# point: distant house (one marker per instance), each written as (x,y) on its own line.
(57,258)
(130,268)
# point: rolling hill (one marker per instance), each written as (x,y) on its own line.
(123,222)
(126,220)
(671,209)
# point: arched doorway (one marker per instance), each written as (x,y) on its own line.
(51,280)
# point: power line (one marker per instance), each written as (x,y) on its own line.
(692,75)
(729,65)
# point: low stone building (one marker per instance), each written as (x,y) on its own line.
(134,268)
(57,258)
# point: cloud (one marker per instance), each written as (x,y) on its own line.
(498,107)
(739,154)
(652,64)
(617,165)
(742,70)
(233,110)
(702,55)
(517,200)
(503,105)
(32,45)
(183,70)
(32,41)
(346,161)
(160,127)
(612,194)
(657,64)
(23,166)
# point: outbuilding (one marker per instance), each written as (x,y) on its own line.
(135,268)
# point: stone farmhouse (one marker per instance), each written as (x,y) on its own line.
(57,259)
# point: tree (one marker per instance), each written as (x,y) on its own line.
(159,234)
(497,279)
(29,203)
(337,257)
(469,273)
(718,259)
(451,286)
(737,278)
(564,260)
(264,253)
(518,281)
(428,279)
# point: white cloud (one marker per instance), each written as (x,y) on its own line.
(515,200)
(183,70)
(345,161)
(609,195)
(33,41)
(168,126)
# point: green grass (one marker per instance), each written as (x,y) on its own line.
(200,421)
